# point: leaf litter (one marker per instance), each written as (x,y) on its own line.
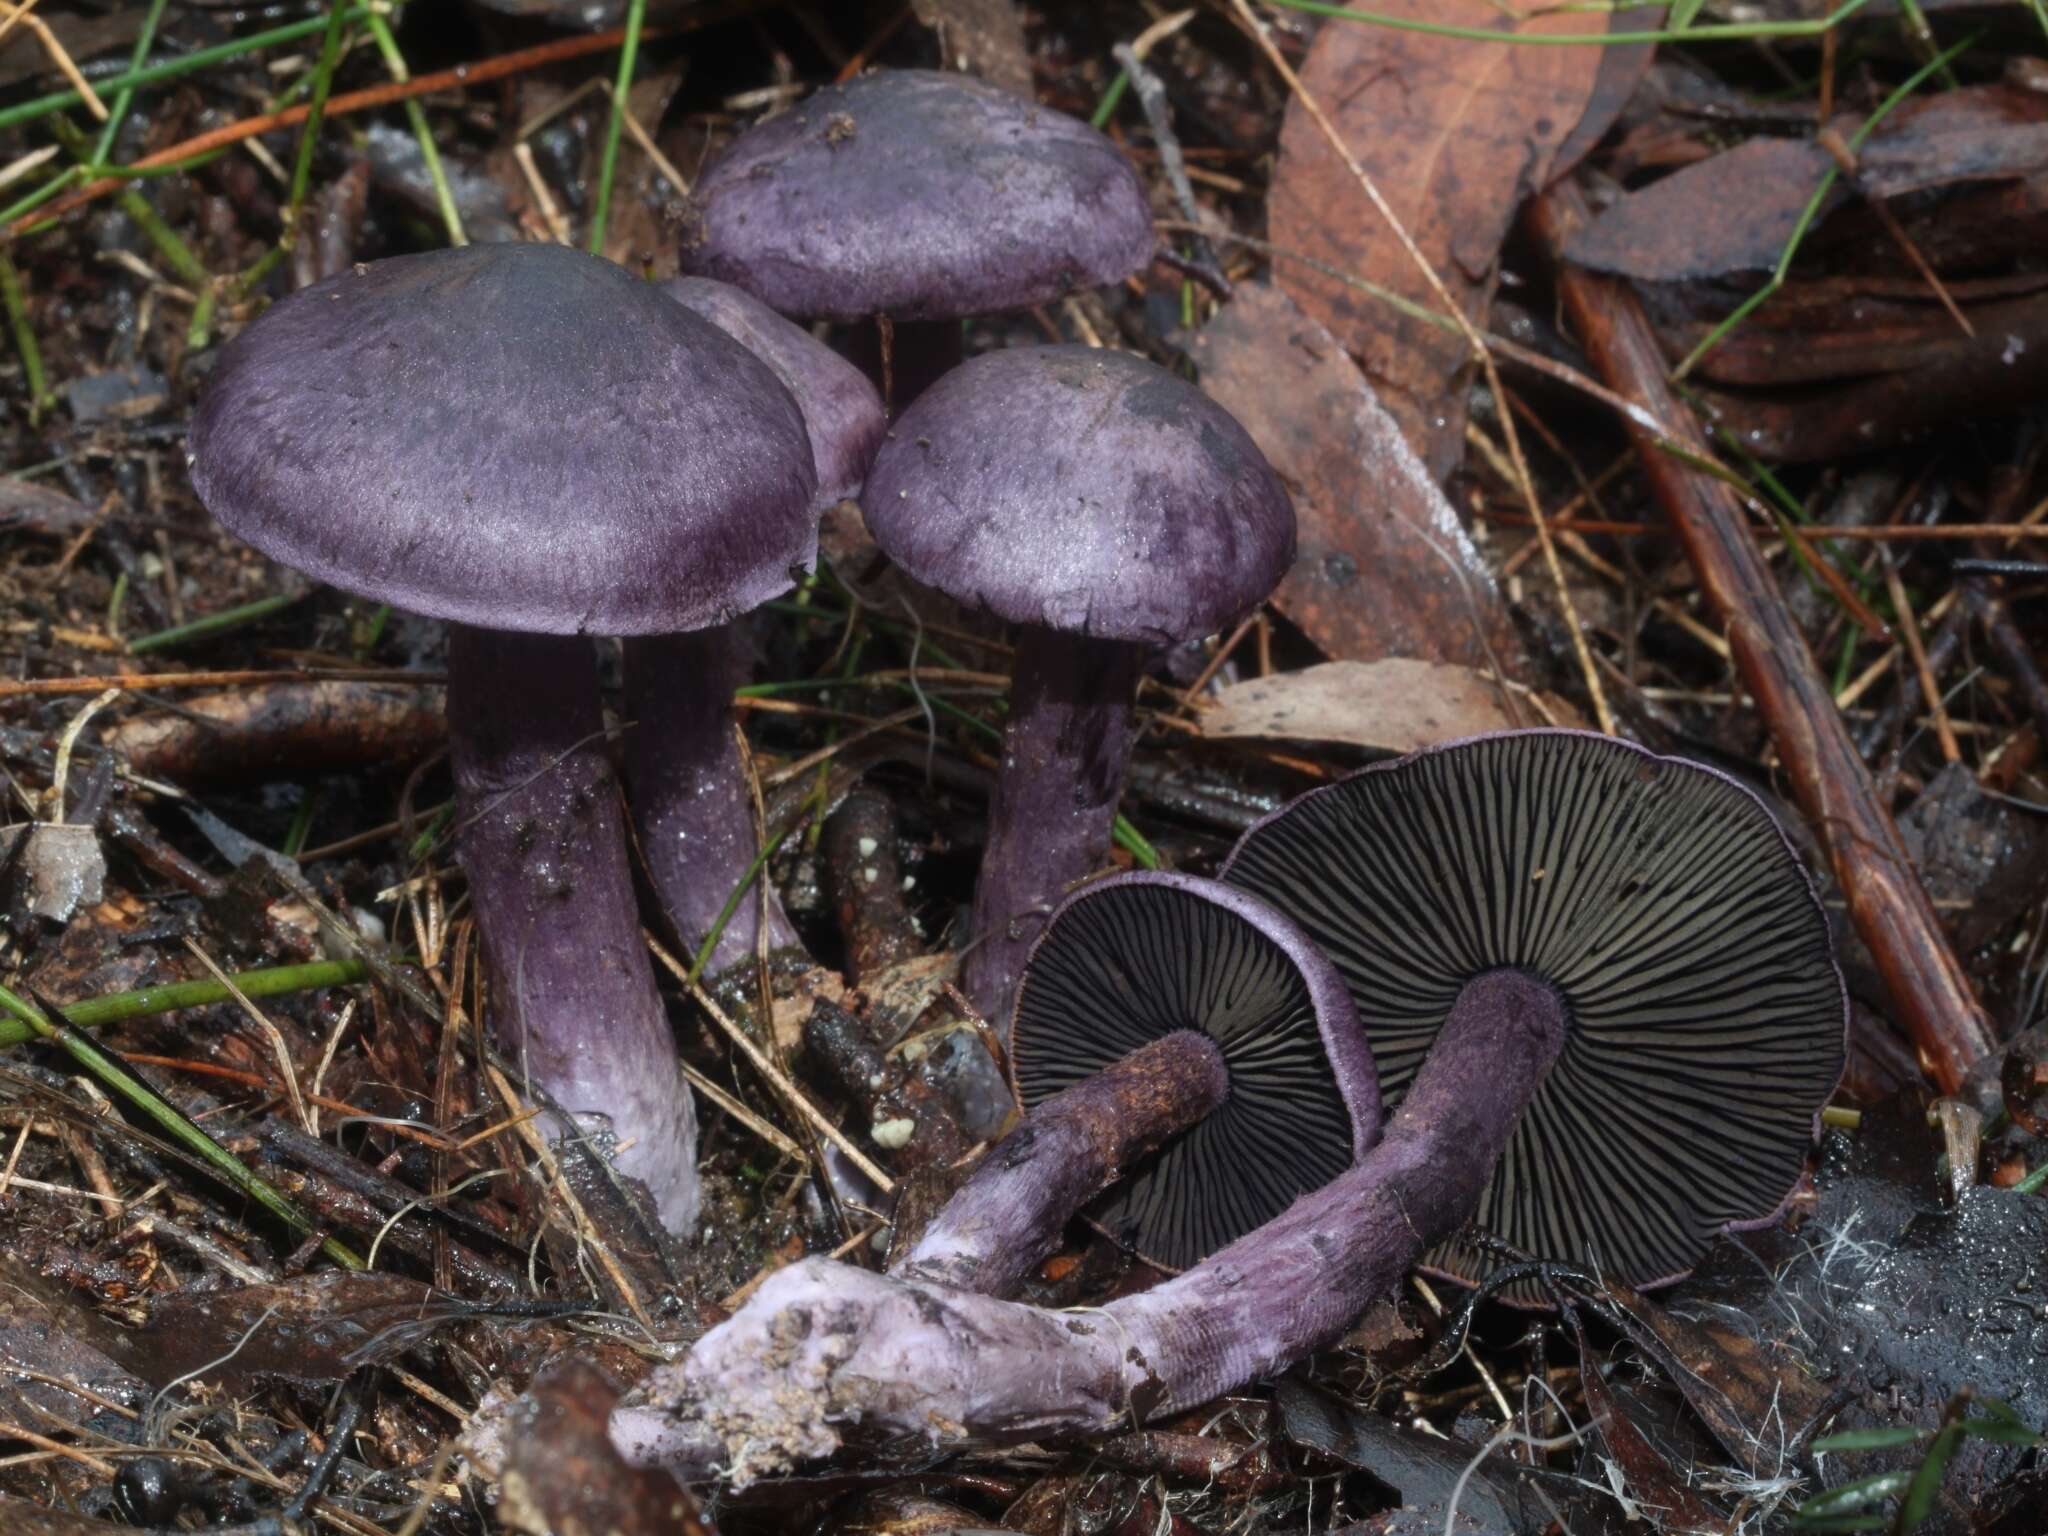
(268,787)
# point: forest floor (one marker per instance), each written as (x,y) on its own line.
(1752,473)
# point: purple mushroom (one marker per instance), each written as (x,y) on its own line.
(921,197)
(528,442)
(1132,959)
(689,792)
(1108,510)
(1699,1013)
(1559,912)
(1274,1095)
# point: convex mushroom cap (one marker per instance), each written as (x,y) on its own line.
(1705,1017)
(520,437)
(1081,490)
(919,195)
(1135,958)
(839,405)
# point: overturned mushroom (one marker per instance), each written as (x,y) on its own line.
(1524,850)
(1703,1017)
(528,442)
(1163,1012)
(1108,510)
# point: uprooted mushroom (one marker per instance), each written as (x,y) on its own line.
(1557,914)
(1169,1015)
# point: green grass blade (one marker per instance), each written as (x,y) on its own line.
(1884,1439)
(1918,1503)
(39,397)
(731,908)
(173,69)
(214,623)
(309,131)
(170,996)
(1853,1497)
(124,98)
(629,56)
(416,116)
(116,1078)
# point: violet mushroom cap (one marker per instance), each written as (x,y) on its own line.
(918,195)
(1110,509)
(520,437)
(1137,957)
(1705,1016)
(1081,490)
(840,406)
(528,442)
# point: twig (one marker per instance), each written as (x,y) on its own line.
(1909,632)
(1885,899)
(43,687)
(18,15)
(286,1069)
(777,1078)
(585,1229)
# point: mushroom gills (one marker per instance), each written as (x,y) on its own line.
(1138,958)
(1664,907)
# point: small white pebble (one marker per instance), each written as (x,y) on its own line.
(880,1241)
(867,847)
(875,1082)
(893,1133)
(869,874)
(909,882)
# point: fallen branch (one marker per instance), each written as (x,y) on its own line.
(1885,899)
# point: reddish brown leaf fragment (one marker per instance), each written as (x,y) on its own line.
(563,1477)
(1622,71)
(1382,565)
(1732,213)
(1455,133)
(1646,1476)
(1735,211)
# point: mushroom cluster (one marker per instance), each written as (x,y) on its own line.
(1608,1002)
(531,444)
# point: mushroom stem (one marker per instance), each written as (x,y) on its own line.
(689,790)
(822,1345)
(543,841)
(1008,1216)
(1049,820)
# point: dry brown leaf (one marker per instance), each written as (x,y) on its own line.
(1455,133)
(1397,705)
(1736,211)
(1382,565)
